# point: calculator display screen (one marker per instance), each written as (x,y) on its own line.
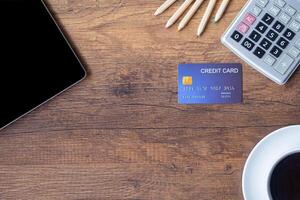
(37,62)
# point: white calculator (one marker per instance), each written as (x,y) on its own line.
(266,35)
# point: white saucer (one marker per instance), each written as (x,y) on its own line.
(266,154)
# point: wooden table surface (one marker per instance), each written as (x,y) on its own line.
(121,134)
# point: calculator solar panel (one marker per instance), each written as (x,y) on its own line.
(266,35)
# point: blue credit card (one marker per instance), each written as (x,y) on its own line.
(210,83)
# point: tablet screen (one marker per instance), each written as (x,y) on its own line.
(37,62)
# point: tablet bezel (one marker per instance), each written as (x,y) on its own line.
(82,76)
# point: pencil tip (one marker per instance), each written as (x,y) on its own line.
(217,19)
(168,24)
(157,13)
(201,30)
(199,33)
(180,27)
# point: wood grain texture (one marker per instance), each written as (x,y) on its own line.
(120,134)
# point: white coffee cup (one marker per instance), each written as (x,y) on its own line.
(264,158)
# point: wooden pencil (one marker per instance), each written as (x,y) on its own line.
(206,16)
(164,7)
(221,10)
(190,14)
(179,12)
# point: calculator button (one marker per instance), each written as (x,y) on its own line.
(289,34)
(259,52)
(283,43)
(298,43)
(278,27)
(268,19)
(276,52)
(263,3)
(280,3)
(266,44)
(274,10)
(295,26)
(269,60)
(272,35)
(290,10)
(261,27)
(237,36)
(284,64)
(248,44)
(294,52)
(255,36)
(256,11)
(284,18)
(249,19)
(297,17)
(243,28)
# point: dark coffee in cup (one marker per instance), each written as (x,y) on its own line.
(285,179)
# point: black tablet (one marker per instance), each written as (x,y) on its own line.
(37,62)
